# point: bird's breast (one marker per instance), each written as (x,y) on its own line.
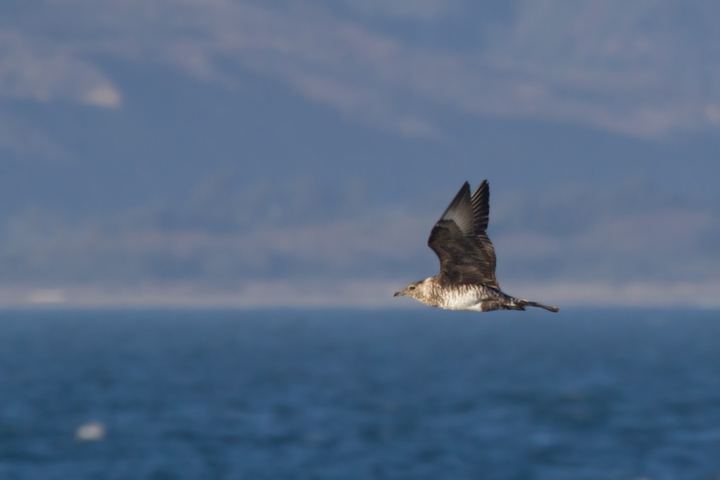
(464,297)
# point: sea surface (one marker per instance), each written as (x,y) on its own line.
(335,394)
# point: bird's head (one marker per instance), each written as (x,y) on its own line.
(414,290)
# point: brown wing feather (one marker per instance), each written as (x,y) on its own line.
(459,240)
(481,207)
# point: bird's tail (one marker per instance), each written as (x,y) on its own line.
(527,303)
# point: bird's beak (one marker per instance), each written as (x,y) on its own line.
(401,292)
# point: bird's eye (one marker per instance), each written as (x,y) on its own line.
(412,288)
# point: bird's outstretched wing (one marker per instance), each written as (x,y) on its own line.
(459,240)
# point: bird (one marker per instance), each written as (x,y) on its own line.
(467,260)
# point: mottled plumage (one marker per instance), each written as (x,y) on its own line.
(467,260)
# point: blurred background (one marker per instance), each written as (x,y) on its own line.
(277,152)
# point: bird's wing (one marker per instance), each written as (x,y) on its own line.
(459,240)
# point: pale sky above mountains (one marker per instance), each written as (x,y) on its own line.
(643,68)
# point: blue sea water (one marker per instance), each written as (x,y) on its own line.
(420,394)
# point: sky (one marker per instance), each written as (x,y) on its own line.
(283,153)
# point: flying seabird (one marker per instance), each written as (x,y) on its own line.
(467,260)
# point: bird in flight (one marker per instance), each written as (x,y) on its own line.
(467,260)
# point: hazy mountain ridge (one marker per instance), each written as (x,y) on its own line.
(234,237)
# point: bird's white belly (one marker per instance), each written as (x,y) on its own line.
(465,297)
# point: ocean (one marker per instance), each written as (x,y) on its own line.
(360,394)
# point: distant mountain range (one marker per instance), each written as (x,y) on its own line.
(222,143)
